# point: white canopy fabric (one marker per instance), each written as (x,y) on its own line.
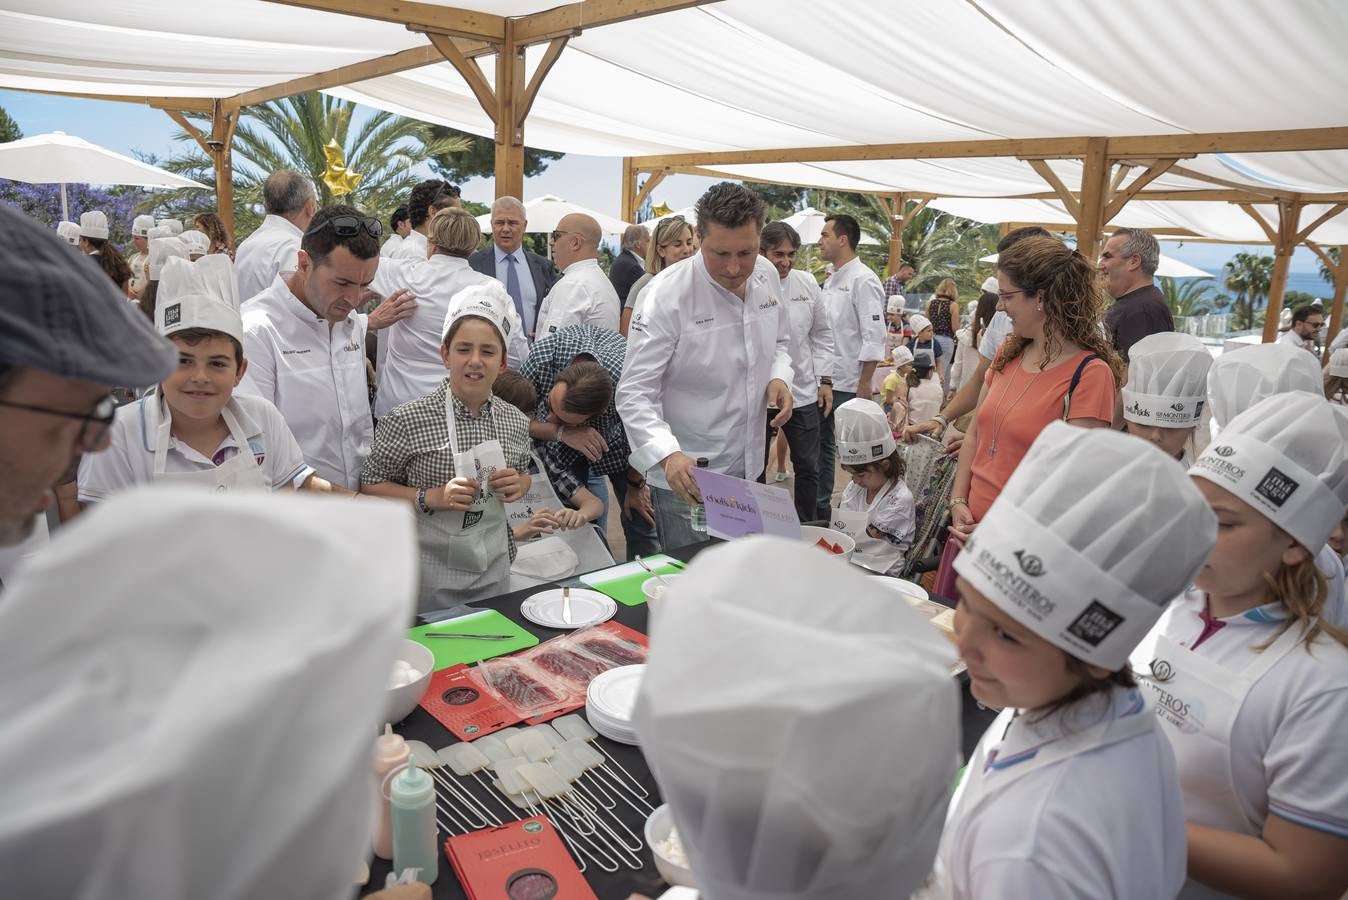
(545,212)
(688,214)
(1167,267)
(809,224)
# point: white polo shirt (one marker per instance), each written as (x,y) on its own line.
(129,459)
(270,251)
(413,247)
(390,246)
(812,347)
(316,378)
(999,326)
(855,300)
(698,364)
(582,296)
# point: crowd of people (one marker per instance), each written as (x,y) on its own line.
(1107,561)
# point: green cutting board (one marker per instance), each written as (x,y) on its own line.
(450,652)
(626,586)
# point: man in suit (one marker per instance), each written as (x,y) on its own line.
(631,262)
(527,276)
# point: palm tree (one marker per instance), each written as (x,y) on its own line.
(1250,277)
(1325,271)
(1187,299)
(291,134)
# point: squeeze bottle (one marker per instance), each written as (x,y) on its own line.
(697,516)
(390,752)
(412,796)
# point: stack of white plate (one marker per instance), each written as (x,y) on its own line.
(610,701)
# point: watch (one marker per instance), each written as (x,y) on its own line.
(421,502)
(639,483)
(825,380)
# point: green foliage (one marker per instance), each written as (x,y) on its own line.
(475,156)
(9,129)
(1325,271)
(783,200)
(1249,276)
(1293,299)
(1188,298)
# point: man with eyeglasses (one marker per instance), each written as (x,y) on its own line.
(583,295)
(1128,264)
(1307,321)
(527,276)
(305,343)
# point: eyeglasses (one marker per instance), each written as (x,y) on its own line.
(558,233)
(95,427)
(349,226)
(1002,295)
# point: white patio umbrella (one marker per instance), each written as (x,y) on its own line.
(1167,267)
(688,213)
(809,224)
(545,212)
(60,158)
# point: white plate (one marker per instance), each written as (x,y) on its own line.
(613,694)
(587,608)
(912,592)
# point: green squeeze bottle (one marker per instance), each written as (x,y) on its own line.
(412,797)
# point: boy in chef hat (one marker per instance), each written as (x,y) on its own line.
(1166,390)
(198,244)
(924,338)
(1092,536)
(1249,678)
(69,232)
(194,428)
(825,781)
(877,509)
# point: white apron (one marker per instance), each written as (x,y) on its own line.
(466,551)
(589,549)
(1197,702)
(876,554)
(241,472)
(976,790)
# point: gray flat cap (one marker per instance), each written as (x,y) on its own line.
(61,314)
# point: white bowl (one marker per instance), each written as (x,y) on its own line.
(913,593)
(399,702)
(810,534)
(655,601)
(658,826)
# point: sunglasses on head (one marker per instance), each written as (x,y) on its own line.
(349,226)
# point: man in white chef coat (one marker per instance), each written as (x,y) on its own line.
(855,300)
(290,202)
(305,343)
(583,295)
(707,355)
(426,199)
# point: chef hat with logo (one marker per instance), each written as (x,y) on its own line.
(161,249)
(201,294)
(486,301)
(1338,363)
(902,357)
(918,323)
(1241,378)
(1167,380)
(1092,536)
(141,225)
(69,232)
(198,244)
(864,435)
(990,285)
(1286,456)
(94,224)
(782,780)
(894,305)
(173,225)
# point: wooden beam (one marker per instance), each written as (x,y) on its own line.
(221,148)
(1119,200)
(1324,257)
(472,73)
(1094,182)
(510,86)
(1303,139)
(526,100)
(187,104)
(1310,229)
(1289,214)
(423,16)
(895,206)
(652,181)
(1119,174)
(1263,223)
(571,19)
(629,191)
(192,131)
(922,204)
(1067,198)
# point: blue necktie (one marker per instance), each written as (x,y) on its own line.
(513,289)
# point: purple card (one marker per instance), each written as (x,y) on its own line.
(736,507)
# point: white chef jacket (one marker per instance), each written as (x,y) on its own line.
(855,300)
(812,347)
(410,366)
(414,247)
(1291,337)
(270,251)
(129,459)
(582,296)
(390,246)
(1108,822)
(999,326)
(699,360)
(316,378)
(1288,738)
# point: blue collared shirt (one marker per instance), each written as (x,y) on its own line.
(528,294)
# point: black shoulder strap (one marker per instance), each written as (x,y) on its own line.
(1076,380)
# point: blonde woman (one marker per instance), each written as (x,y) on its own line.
(671,242)
(944,312)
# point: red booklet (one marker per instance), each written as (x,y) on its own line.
(519,859)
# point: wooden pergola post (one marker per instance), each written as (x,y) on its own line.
(895,205)
(1094,188)
(219,146)
(1284,240)
(629,200)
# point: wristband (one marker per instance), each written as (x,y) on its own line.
(421,502)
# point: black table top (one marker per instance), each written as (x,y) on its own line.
(421,726)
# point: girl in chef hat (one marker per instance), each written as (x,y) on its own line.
(877,509)
(894,389)
(1249,681)
(1166,390)
(1072,791)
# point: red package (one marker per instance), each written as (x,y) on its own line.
(518,859)
(458,702)
(522,687)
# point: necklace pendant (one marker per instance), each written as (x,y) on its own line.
(992,450)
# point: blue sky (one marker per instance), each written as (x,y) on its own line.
(591,181)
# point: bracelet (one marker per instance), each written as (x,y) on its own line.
(945,423)
(421,502)
(956,501)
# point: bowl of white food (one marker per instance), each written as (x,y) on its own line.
(670,859)
(407,681)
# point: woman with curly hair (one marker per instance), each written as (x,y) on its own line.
(1057,364)
(209,224)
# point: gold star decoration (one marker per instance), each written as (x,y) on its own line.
(661,209)
(338,178)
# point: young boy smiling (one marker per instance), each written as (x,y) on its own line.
(193,428)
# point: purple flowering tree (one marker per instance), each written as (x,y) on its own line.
(43,203)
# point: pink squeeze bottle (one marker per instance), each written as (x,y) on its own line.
(390,752)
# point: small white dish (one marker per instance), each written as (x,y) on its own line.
(912,592)
(587,608)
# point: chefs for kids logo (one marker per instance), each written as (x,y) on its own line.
(1137,409)
(1095,624)
(1276,487)
(1014,584)
(768,303)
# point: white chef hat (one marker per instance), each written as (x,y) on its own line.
(161,249)
(782,781)
(174,225)
(864,435)
(197,242)
(1338,363)
(197,720)
(918,323)
(1241,378)
(894,305)
(158,231)
(94,224)
(902,356)
(69,232)
(487,301)
(990,285)
(1286,456)
(1285,319)
(141,225)
(1167,380)
(1094,533)
(924,359)
(201,294)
